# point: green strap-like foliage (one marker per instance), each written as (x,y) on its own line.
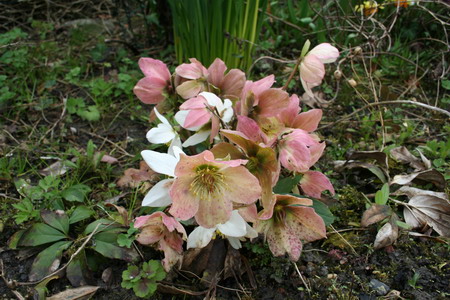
(207,29)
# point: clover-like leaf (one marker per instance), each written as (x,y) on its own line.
(145,288)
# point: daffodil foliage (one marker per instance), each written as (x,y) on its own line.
(230,142)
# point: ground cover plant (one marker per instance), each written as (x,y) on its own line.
(317,171)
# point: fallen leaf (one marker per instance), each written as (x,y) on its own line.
(380,157)
(432,176)
(412,191)
(84,292)
(109,159)
(57,168)
(374,214)
(381,173)
(316,101)
(402,155)
(428,210)
(122,212)
(133,177)
(386,236)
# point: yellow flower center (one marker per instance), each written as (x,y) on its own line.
(207,182)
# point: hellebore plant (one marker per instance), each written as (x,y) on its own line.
(223,186)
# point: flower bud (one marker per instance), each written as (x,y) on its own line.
(338,74)
(352,82)
(357,50)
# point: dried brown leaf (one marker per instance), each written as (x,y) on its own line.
(380,157)
(84,292)
(374,214)
(412,191)
(432,176)
(315,102)
(386,236)
(381,173)
(123,213)
(428,210)
(133,177)
(402,154)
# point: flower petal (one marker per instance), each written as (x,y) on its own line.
(325,52)
(158,196)
(216,71)
(161,134)
(160,162)
(235,226)
(189,89)
(197,138)
(184,204)
(309,120)
(200,237)
(150,90)
(243,186)
(215,210)
(154,68)
(313,183)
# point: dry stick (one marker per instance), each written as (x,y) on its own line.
(345,241)
(109,141)
(437,109)
(301,277)
(56,123)
(299,60)
(70,260)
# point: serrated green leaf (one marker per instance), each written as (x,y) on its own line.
(382,196)
(80,213)
(57,220)
(39,234)
(123,240)
(48,260)
(144,288)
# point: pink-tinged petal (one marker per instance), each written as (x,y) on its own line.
(171,256)
(250,129)
(158,196)
(313,183)
(149,235)
(271,102)
(213,211)
(226,151)
(282,239)
(184,204)
(215,126)
(243,187)
(325,52)
(154,68)
(216,71)
(308,87)
(189,89)
(295,156)
(233,83)
(292,200)
(194,70)
(267,212)
(263,84)
(199,102)
(306,223)
(312,70)
(150,90)
(308,121)
(172,224)
(288,115)
(174,241)
(249,213)
(316,152)
(197,118)
(148,220)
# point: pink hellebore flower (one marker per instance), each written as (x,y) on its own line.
(164,231)
(229,85)
(299,150)
(190,79)
(206,188)
(313,183)
(312,69)
(293,118)
(292,223)
(198,111)
(152,87)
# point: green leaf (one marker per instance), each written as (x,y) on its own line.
(90,114)
(123,240)
(130,275)
(48,260)
(382,196)
(153,270)
(323,211)
(104,223)
(57,220)
(285,185)
(77,271)
(76,192)
(402,224)
(144,288)
(15,238)
(113,251)
(446,84)
(80,213)
(40,234)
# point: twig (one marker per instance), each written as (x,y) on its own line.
(109,141)
(301,277)
(345,241)
(299,60)
(437,109)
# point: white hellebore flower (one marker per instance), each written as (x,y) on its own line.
(197,112)
(164,133)
(234,230)
(162,163)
